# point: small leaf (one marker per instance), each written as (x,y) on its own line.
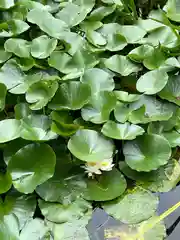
(66,185)
(78,11)
(63,123)
(171,91)
(141,53)
(132,33)
(133,207)
(5,182)
(47,23)
(40,93)
(152,82)
(75,229)
(121,65)
(173,138)
(75,64)
(31,166)
(11,75)
(126,97)
(58,213)
(36,128)
(124,131)
(121,112)
(15,27)
(6,4)
(112,33)
(99,108)
(71,95)
(147,152)
(89,145)
(4,56)
(22,207)
(22,110)
(34,229)
(19,47)
(109,186)
(43,46)
(155,59)
(98,80)
(3,91)
(95,38)
(99,13)
(9,129)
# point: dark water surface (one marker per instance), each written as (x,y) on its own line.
(101,220)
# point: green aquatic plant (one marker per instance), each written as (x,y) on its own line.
(89,115)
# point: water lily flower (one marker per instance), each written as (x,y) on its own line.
(92,168)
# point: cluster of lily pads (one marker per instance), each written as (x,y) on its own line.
(89,116)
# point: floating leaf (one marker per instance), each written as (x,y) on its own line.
(121,65)
(98,80)
(75,229)
(108,186)
(19,47)
(124,131)
(22,207)
(133,207)
(34,229)
(3,91)
(6,4)
(58,213)
(31,166)
(43,46)
(5,182)
(72,95)
(171,91)
(10,130)
(47,23)
(173,138)
(99,108)
(40,93)
(126,97)
(141,53)
(63,123)
(152,82)
(4,56)
(89,145)
(112,33)
(147,152)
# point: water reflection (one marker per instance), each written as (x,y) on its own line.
(101,220)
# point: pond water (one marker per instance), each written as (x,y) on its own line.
(101,220)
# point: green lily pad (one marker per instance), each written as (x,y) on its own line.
(90,146)
(147,152)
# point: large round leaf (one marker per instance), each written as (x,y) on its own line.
(31,166)
(90,146)
(43,46)
(147,152)
(152,82)
(106,187)
(9,129)
(134,207)
(121,64)
(124,131)
(58,213)
(72,95)
(98,80)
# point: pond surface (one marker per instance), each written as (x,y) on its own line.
(101,220)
